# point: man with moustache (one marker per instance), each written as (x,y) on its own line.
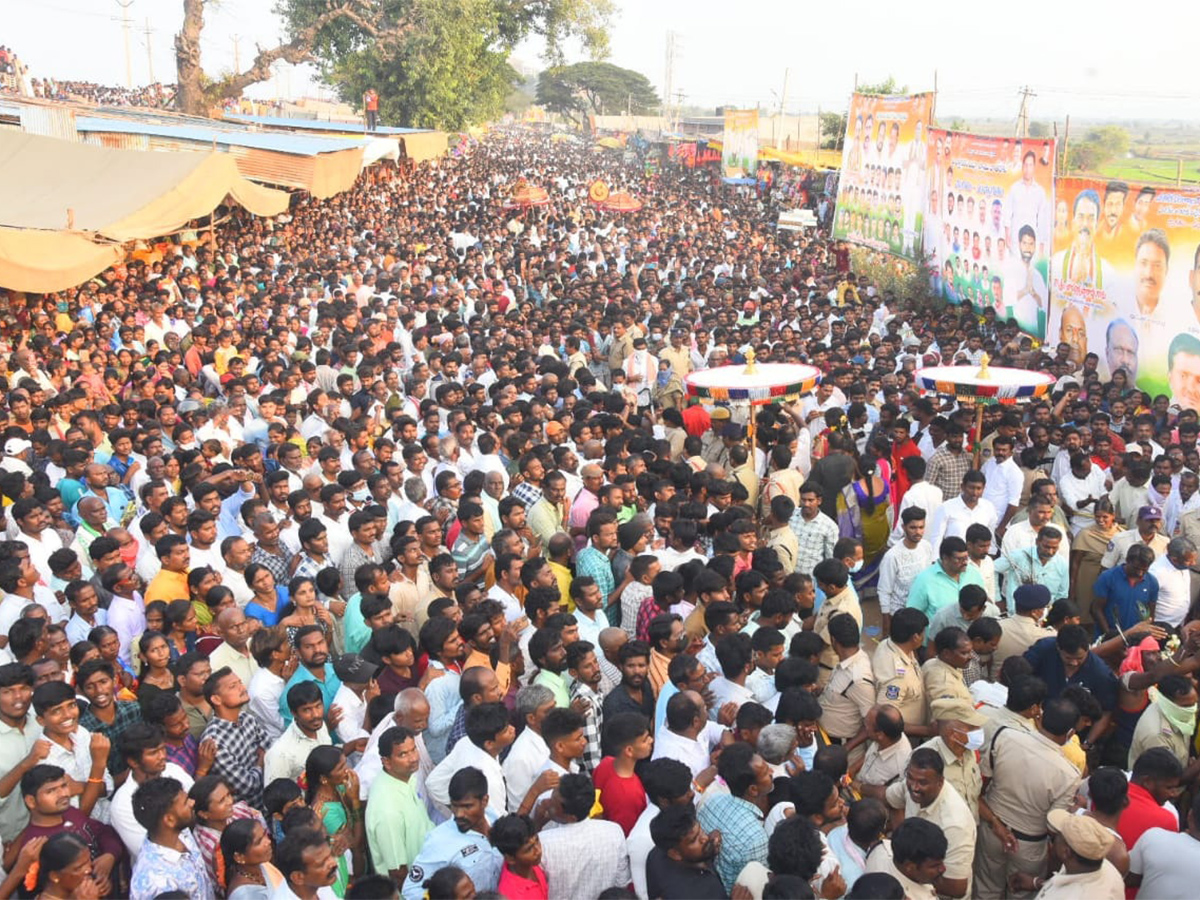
(307,864)
(170,859)
(1115,193)
(1121,349)
(1151,260)
(1183,371)
(1080,264)
(1024,287)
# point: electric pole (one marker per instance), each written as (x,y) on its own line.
(149,51)
(669,77)
(782,102)
(126,26)
(237,55)
(1023,113)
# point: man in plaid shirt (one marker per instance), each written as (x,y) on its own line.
(241,741)
(584,669)
(815,532)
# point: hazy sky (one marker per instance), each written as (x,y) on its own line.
(983,55)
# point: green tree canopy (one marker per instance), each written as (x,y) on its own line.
(1097,147)
(883,88)
(833,130)
(433,62)
(595,88)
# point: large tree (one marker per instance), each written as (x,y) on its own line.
(355,40)
(595,88)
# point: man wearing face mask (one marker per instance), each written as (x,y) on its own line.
(959,736)
(1029,776)
(1169,722)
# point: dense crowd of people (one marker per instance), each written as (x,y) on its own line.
(377,550)
(148,96)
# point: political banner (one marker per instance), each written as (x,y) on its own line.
(987,225)
(881,195)
(1125,284)
(739,148)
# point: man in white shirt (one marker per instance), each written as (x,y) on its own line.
(529,752)
(689,736)
(488,733)
(1004,482)
(958,513)
(234,649)
(920,493)
(1173,572)
(288,755)
(273,655)
(144,751)
(1081,487)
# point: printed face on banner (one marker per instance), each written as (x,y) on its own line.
(881,201)
(987,227)
(1125,284)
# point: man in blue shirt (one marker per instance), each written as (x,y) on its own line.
(1126,594)
(314,666)
(461,841)
(1066,659)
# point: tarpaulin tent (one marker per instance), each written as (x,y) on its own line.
(65,207)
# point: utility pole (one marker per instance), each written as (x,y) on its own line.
(1023,113)
(783,101)
(149,51)
(126,26)
(933,112)
(818,130)
(237,54)
(1066,145)
(669,77)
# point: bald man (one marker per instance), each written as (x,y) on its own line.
(234,649)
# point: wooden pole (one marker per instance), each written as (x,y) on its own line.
(978,434)
(1179,172)
(1066,146)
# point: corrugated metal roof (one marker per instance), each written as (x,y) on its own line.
(279,142)
(317,125)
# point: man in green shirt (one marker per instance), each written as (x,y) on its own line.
(397,823)
(938,586)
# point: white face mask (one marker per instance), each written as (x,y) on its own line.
(975,739)
(857,567)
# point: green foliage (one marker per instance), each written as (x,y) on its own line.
(1039,130)
(833,130)
(906,281)
(595,88)
(437,63)
(446,74)
(883,88)
(1098,147)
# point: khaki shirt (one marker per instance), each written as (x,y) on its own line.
(746,477)
(619,350)
(883,767)
(842,602)
(1029,777)
(1153,730)
(1103,884)
(783,542)
(951,813)
(962,772)
(715,451)
(898,682)
(1119,546)
(680,360)
(943,680)
(848,697)
(1017,634)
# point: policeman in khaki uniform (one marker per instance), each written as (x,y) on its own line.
(1021,631)
(925,794)
(850,694)
(960,734)
(1155,730)
(839,598)
(943,674)
(898,680)
(1026,776)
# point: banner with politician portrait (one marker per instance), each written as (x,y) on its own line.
(881,194)
(988,224)
(1125,284)
(739,145)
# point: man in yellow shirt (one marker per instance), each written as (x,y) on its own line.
(171,581)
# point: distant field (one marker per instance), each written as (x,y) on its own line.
(1145,169)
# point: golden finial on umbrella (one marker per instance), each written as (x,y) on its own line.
(983,373)
(750,367)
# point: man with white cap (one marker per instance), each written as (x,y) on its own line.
(1079,843)
(16,454)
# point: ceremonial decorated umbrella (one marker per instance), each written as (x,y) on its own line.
(598,191)
(621,202)
(984,386)
(525,195)
(753,384)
